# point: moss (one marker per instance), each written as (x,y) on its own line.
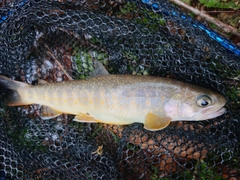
(201,171)
(220,4)
(26,139)
(83,61)
(115,137)
(151,19)
(100,127)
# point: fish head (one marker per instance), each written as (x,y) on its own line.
(195,105)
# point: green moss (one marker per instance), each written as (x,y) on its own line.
(151,19)
(201,171)
(213,26)
(83,61)
(77,126)
(26,139)
(133,147)
(97,131)
(115,137)
(233,94)
(154,175)
(220,4)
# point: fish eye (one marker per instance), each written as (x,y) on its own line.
(204,100)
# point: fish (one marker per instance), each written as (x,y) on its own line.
(120,99)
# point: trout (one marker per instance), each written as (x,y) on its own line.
(120,99)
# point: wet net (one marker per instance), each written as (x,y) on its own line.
(58,41)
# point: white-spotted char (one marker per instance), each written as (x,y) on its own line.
(122,99)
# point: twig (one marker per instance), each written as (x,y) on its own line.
(99,150)
(220,11)
(59,64)
(226,28)
(3,3)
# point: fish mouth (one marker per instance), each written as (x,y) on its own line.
(219,112)
(205,114)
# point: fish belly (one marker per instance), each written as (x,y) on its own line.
(114,108)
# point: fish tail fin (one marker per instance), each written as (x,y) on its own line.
(13,97)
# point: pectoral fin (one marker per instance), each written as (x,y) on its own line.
(85,118)
(48,113)
(154,122)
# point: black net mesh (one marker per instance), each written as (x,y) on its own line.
(57,41)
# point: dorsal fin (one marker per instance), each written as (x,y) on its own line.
(99,69)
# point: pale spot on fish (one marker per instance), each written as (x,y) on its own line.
(162,98)
(96,99)
(46,96)
(75,102)
(133,103)
(148,102)
(55,97)
(91,102)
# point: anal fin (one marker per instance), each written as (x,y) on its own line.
(42,82)
(85,118)
(48,113)
(154,122)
